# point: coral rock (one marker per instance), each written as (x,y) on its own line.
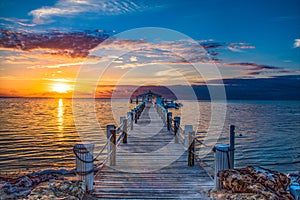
(256,180)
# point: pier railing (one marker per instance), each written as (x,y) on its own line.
(224,153)
(85,168)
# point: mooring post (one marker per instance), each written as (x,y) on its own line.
(221,162)
(191,149)
(187,130)
(165,114)
(128,118)
(158,110)
(131,121)
(123,121)
(85,164)
(231,146)
(176,128)
(169,120)
(125,131)
(135,116)
(111,147)
(138,113)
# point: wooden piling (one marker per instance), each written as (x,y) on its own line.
(123,122)
(125,131)
(221,162)
(187,129)
(191,149)
(169,120)
(131,121)
(135,116)
(176,128)
(165,115)
(84,164)
(231,146)
(111,147)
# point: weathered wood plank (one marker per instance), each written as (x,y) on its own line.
(151,165)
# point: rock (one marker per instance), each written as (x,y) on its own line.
(21,187)
(59,189)
(223,194)
(295,178)
(255,180)
(24,182)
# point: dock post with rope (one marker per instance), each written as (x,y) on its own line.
(231,145)
(224,156)
(111,147)
(85,164)
(176,127)
(191,149)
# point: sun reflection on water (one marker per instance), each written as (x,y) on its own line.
(60,113)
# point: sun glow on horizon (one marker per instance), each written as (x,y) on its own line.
(61,87)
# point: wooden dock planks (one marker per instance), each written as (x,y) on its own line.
(151,166)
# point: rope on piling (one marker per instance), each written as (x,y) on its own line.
(94,159)
(201,142)
(83,173)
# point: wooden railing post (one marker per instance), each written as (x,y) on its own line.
(221,162)
(176,128)
(84,164)
(165,115)
(231,146)
(111,147)
(135,116)
(187,129)
(191,149)
(131,121)
(169,120)
(125,131)
(123,121)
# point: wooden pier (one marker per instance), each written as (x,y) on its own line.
(152,164)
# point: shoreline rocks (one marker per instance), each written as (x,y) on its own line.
(42,185)
(256,182)
(59,190)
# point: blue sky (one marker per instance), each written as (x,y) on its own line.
(244,38)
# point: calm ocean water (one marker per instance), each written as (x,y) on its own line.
(37,134)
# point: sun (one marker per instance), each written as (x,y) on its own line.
(61,87)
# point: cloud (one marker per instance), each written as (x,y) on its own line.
(252,66)
(67,8)
(271,88)
(15,21)
(235,46)
(297,43)
(212,47)
(69,49)
(254,69)
(238,46)
(73,44)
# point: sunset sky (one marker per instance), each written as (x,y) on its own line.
(45,44)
